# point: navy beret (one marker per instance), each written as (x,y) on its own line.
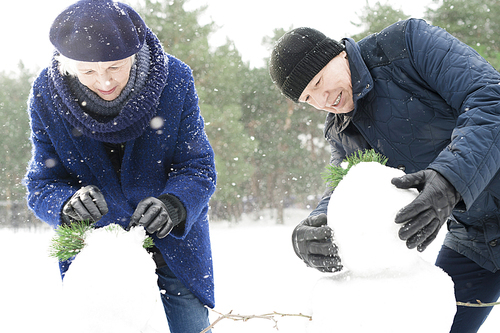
(98,30)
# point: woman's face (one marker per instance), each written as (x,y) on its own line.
(106,79)
(331,88)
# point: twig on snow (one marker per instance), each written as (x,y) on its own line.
(269,316)
(479,304)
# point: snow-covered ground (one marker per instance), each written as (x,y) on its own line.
(256,272)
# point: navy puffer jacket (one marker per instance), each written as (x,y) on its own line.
(426,100)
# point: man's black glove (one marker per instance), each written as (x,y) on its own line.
(87,203)
(313,243)
(425,215)
(152,213)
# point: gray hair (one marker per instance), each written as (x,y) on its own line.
(67,66)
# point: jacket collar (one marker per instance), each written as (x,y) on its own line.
(361,81)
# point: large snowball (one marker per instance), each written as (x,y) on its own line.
(420,300)
(385,287)
(111,286)
(361,212)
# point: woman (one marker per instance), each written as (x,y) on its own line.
(118,138)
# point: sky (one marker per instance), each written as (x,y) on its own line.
(25,25)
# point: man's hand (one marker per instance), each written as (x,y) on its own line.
(313,243)
(425,215)
(87,203)
(153,215)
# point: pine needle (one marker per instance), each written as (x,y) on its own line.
(148,243)
(70,239)
(335,174)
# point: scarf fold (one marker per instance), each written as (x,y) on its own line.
(138,107)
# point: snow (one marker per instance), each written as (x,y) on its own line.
(256,272)
(361,213)
(394,282)
(111,285)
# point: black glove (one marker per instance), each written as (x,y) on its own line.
(152,213)
(425,215)
(313,243)
(87,203)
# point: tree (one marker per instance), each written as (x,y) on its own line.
(15,146)
(233,148)
(374,19)
(290,155)
(474,22)
(218,76)
(179,31)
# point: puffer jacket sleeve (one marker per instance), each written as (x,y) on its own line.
(471,86)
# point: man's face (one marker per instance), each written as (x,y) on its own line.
(331,89)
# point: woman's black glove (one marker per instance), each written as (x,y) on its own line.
(313,243)
(87,203)
(159,215)
(425,215)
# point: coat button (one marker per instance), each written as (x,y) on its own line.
(493,243)
(401,167)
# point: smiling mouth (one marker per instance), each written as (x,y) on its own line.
(337,101)
(107,92)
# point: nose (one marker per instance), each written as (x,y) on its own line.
(104,78)
(319,98)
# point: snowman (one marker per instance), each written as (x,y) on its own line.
(111,285)
(383,287)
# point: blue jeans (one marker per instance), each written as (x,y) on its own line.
(185,313)
(472,282)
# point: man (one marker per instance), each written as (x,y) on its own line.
(431,105)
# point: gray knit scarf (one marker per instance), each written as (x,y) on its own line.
(102,110)
(136,113)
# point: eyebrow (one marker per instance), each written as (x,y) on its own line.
(114,64)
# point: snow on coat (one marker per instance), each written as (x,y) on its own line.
(172,156)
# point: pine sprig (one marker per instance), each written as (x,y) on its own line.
(70,239)
(148,243)
(334,174)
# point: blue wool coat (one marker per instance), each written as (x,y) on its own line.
(170,156)
(426,100)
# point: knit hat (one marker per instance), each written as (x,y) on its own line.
(98,30)
(298,56)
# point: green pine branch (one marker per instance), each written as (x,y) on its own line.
(334,174)
(70,239)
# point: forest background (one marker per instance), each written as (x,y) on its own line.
(270,153)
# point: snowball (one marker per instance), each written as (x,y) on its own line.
(384,287)
(422,301)
(361,213)
(111,286)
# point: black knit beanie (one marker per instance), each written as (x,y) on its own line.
(98,30)
(298,56)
